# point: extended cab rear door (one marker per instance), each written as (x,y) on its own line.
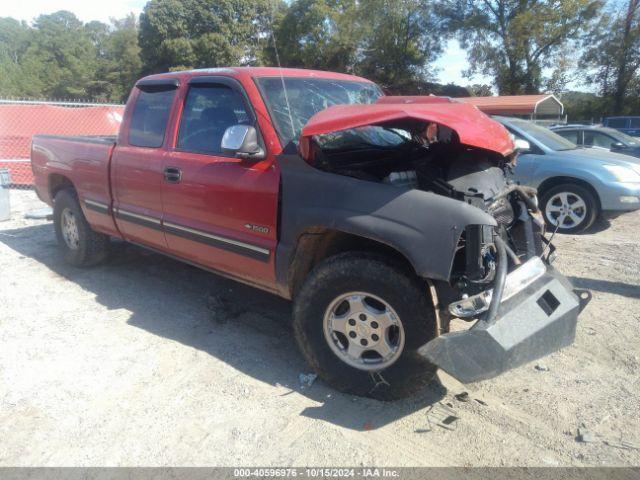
(219,211)
(137,171)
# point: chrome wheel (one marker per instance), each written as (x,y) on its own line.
(566,210)
(363,331)
(69,228)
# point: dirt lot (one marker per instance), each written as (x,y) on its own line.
(146,361)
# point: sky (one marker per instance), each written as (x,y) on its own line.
(85,10)
(451,64)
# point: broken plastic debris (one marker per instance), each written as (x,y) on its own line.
(443,416)
(585,436)
(462,397)
(307,379)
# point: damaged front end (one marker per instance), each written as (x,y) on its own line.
(538,318)
(501,276)
(527,311)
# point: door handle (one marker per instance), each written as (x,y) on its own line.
(172,175)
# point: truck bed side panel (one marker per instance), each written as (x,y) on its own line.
(84,161)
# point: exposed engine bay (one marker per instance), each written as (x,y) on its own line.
(425,156)
(429,179)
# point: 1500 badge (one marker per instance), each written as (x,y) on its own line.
(256,228)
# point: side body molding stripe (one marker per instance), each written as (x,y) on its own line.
(97,206)
(242,248)
(217,241)
(143,220)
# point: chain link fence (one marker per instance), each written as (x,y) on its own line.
(20,120)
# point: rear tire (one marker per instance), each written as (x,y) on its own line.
(574,206)
(79,244)
(386,292)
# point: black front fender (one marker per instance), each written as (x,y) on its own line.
(423,226)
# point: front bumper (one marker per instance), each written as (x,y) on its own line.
(535,322)
(618,196)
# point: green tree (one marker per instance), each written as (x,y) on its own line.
(583,106)
(562,72)
(320,34)
(177,34)
(514,40)
(61,59)
(480,90)
(119,63)
(14,41)
(124,53)
(402,38)
(390,41)
(612,56)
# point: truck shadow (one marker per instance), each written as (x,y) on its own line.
(242,326)
(607,286)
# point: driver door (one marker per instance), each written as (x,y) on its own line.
(219,210)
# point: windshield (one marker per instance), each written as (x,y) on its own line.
(364,137)
(308,96)
(628,140)
(545,136)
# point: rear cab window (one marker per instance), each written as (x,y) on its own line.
(150,115)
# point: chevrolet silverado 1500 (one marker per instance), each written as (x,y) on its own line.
(382,218)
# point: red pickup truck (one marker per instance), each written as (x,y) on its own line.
(383,218)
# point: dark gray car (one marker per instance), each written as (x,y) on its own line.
(600,138)
(628,125)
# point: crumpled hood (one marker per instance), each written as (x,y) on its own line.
(473,127)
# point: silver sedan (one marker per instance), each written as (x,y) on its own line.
(575,185)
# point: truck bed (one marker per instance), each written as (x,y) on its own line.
(82,159)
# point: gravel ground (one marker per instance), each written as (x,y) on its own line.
(147,361)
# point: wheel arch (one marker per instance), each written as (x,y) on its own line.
(59,182)
(316,244)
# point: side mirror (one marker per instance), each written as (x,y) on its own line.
(522,145)
(242,140)
(617,146)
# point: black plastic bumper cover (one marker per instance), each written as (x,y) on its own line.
(537,321)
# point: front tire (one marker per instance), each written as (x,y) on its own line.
(359,322)
(78,243)
(570,208)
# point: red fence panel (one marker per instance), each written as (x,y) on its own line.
(20,120)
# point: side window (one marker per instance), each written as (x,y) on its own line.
(149,119)
(617,123)
(596,139)
(208,111)
(571,135)
(635,122)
